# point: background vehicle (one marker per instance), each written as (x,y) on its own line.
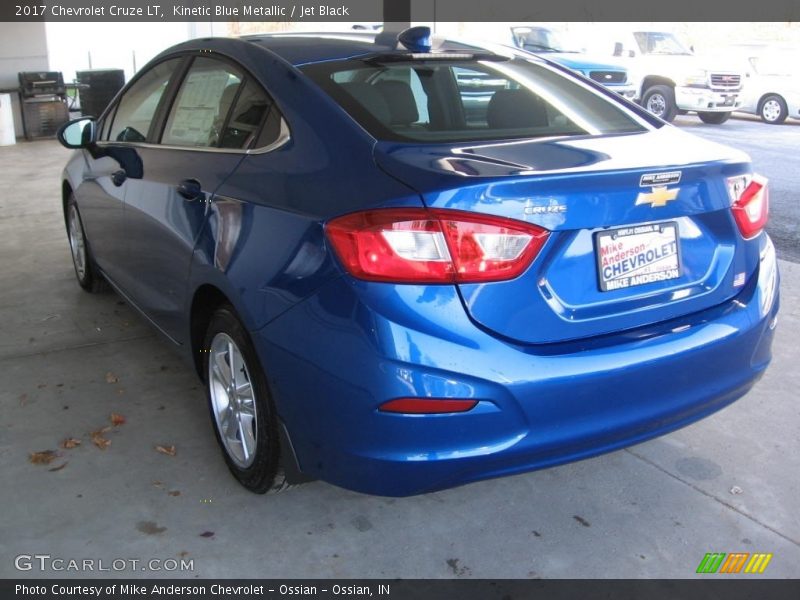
(384,290)
(772,90)
(556,47)
(672,79)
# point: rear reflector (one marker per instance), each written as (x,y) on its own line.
(427,406)
(418,245)
(751,207)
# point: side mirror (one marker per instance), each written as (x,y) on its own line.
(80,133)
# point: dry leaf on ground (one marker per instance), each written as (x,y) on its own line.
(117,419)
(70,443)
(207,534)
(111,378)
(174,493)
(168,450)
(23,398)
(99,441)
(45,457)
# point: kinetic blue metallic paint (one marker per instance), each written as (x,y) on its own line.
(595,181)
(539,405)
(335,348)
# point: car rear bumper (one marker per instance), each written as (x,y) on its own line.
(333,359)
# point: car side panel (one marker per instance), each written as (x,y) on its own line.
(162,227)
(100,203)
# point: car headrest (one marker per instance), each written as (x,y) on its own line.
(370,98)
(400,99)
(516,109)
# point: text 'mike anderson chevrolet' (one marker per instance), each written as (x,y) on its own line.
(394,294)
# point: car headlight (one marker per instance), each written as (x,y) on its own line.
(696,78)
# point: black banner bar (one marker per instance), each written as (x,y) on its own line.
(711,588)
(369,11)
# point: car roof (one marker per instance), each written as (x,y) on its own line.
(304,48)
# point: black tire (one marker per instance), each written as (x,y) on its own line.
(260,470)
(714,118)
(772,109)
(86,271)
(660,101)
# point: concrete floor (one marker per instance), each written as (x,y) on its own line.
(653,510)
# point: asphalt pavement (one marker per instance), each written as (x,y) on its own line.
(69,360)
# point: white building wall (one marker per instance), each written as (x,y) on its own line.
(23,47)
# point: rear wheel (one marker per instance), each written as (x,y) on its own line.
(660,100)
(86,272)
(714,118)
(773,110)
(242,411)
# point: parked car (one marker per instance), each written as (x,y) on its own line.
(382,293)
(554,45)
(773,84)
(672,79)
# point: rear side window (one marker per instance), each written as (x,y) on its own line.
(246,116)
(441,101)
(138,105)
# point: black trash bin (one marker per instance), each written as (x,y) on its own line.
(103,86)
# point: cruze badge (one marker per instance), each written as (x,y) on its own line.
(547,209)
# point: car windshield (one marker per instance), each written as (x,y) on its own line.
(450,100)
(540,39)
(658,42)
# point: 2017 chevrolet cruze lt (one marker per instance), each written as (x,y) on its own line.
(400,268)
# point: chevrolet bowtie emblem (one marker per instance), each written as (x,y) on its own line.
(658,197)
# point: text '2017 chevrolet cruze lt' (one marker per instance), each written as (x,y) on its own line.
(396,284)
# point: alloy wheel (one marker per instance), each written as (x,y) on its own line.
(232,400)
(771,110)
(77,243)
(657,105)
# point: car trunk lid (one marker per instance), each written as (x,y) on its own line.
(652,207)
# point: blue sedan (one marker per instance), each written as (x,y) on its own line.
(390,288)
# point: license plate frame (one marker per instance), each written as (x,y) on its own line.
(637,255)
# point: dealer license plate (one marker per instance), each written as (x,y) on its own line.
(637,255)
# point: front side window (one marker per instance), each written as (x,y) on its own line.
(206,95)
(137,107)
(442,100)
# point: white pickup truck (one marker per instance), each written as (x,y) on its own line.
(672,79)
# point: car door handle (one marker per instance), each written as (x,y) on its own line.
(190,189)
(119,177)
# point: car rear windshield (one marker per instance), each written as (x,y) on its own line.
(442,100)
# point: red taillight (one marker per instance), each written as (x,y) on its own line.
(427,406)
(751,208)
(417,245)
